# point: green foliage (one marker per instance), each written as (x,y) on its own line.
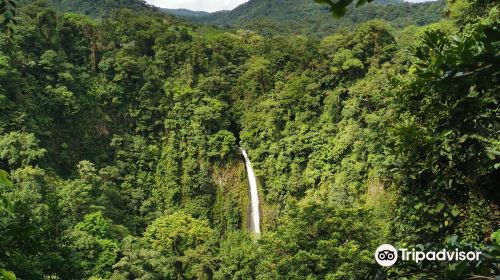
(7,275)
(34,227)
(4,179)
(238,257)
(94,248)
(5,218)
(186,241)
(121,136)
(318,241)
(221,144)
(339,8)
(8,13)
(307,17)
(5,207)
(19,149)
(139,261)
(450,142)
(98,8)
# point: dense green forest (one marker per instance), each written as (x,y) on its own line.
(120,130)
(95,8)
(280,17)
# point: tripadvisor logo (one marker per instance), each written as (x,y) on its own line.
(387,255)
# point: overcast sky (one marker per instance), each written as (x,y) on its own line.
(206,5)
(198,5)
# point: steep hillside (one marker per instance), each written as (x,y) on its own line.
(94,8)
(308,17)
(139,147)
(185,13)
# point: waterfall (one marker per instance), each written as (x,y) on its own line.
(254,195)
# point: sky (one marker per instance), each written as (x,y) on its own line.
(198,5)
(207,5)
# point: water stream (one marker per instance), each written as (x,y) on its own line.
(254,196)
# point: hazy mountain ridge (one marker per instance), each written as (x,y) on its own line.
(94,8)
(185,12)
(307,16)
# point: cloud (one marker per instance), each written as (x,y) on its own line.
(198,5)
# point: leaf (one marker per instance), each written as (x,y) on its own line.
(453,239)
(491,153)
(496,236)
(337,8)
(4,179)
(439,207)
(7,275)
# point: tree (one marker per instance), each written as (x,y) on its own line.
(18,149)
(339,8)
(5,218)
(121,139)
(187,242)
(238,257)
(77,197)
(94,245)
(448,142)
(317,240)
(8,12)
(139,261)
(5,207)
(33,235)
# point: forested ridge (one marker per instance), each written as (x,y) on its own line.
(280,17)
(120,135)
(94,9)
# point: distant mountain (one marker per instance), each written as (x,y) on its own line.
(94,8)
(185,13)
(309,17)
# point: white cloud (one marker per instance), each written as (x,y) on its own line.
(198,5)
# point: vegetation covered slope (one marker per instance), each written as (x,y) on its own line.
(185,13)
(309,17)
(94,8)
(119,150)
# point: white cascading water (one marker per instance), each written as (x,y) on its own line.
(254,195)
